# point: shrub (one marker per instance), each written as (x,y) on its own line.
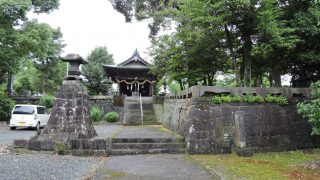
(226,99)
(236,98)
(281,100)
(270,99)
(311,109)
(112,116)
(253,99)
(6,105)
(216,100)
(96,113)
(47,101)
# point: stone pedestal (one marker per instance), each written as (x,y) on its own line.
(69,118)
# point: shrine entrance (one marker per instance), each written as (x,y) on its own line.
(134,88)
(132,76)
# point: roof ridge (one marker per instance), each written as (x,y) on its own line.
(139,58)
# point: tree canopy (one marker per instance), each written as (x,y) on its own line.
(93,71)
(253,39)
(20,38)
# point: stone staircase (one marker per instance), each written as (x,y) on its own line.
(135,146)
(132,111)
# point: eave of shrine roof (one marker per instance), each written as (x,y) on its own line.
(134,59)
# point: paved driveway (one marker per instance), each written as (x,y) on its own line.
(38,165)
(7,136)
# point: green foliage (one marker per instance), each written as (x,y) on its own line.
(46,47)
(279,165)
(6,105)
(253,99)
(281,100)
(311,109)
(174,88)
(96,113)
(47,101)
(93,71)
(236,98)
(22,85)
(17,42)
(226,99)
(112,116)
(216,100)
(248,38)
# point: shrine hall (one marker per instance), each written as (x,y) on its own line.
(132,76)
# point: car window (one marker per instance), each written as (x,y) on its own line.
(40,110)
(23,110)
(46,111)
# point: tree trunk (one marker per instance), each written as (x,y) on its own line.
(275,76)
(247,59)
(10,85)
(236,70)
(181,85)
(258,81)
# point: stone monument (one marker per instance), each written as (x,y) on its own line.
(69,119)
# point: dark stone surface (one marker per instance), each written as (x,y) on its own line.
(69,118)
(212,128)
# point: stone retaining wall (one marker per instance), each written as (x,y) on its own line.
(212,128)
(79,147)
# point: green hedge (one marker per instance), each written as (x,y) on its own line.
(281,100)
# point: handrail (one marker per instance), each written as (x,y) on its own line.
(141,110)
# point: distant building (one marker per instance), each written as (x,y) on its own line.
(132,76)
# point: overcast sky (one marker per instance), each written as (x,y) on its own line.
(87,24)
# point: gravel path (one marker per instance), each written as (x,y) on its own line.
(44,166)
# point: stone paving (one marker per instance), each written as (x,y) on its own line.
(150,167)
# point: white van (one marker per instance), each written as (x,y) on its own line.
(25,115)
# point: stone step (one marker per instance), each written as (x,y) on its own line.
(137,106)
(135,100)
(139,123)
(147,140)
(148,145)
(137,112)
(119,152)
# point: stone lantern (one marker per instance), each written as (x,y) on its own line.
(75,60)
(69,118)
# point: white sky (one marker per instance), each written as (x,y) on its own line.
(87,24)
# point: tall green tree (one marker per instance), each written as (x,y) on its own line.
(253,38)
(304,17)
(12,48)
(93,71)
(46,46)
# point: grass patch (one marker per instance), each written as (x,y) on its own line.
(284,165)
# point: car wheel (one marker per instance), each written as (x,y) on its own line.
(12,128)
(37,128)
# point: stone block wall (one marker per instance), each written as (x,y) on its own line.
(215,129)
